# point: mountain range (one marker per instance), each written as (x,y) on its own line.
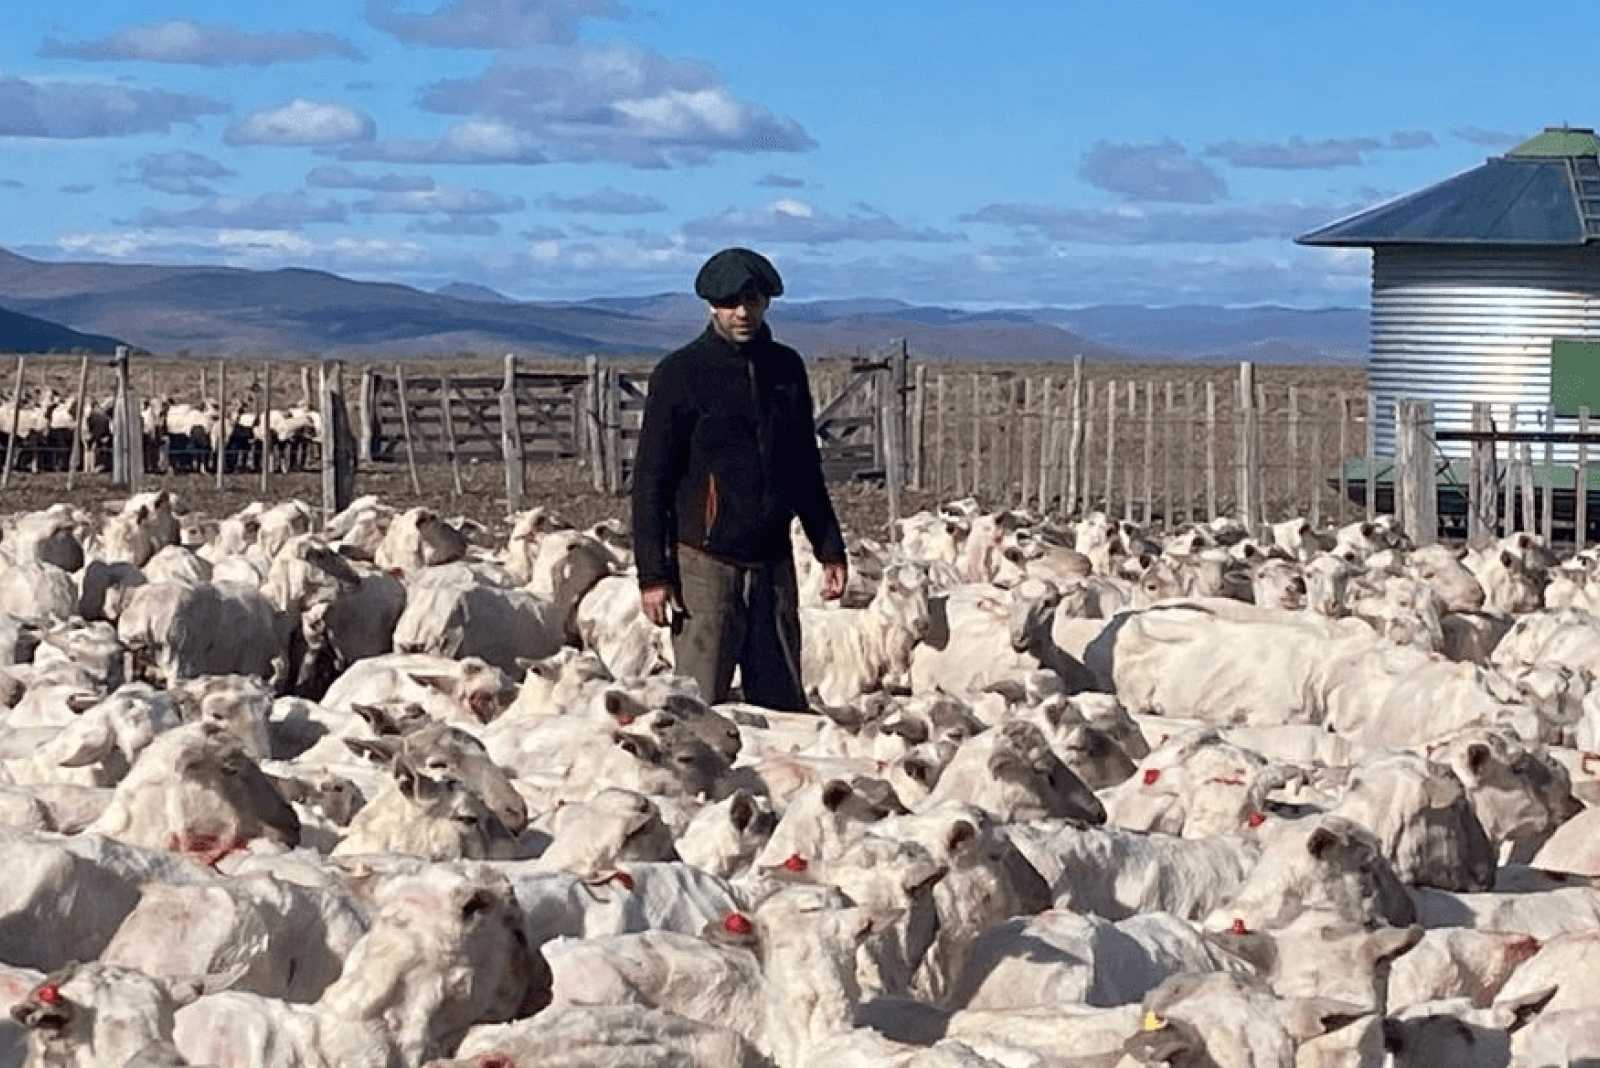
(220,310)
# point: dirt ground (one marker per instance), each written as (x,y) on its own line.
(863,507)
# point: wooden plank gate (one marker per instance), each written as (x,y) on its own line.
(851,441)
(548,416)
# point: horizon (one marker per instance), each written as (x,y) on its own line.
(568,150)
(777,304)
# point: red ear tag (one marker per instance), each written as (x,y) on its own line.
(1152,776)
(736,924)
(1256,819)
(795,863)
(1239,928)
(50,994)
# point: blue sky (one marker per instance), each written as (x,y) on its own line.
(939,152)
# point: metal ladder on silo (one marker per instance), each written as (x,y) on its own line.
(1586,180)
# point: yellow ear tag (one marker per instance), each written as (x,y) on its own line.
(1152,1022)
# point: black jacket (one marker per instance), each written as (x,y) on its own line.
(728,457)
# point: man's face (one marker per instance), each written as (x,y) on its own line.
(739,319)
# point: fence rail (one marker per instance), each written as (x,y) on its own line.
(1153,444)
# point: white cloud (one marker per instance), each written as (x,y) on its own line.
(797,209)
(303,122)
(442,200)
(183,41)
(618,103)
(490,23)
(70,110)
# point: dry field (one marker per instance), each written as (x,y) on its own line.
(1009,424)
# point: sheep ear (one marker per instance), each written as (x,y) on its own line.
(1519,1011)
(1321,841)
(188,706)
(1391,942)
(741,811)
(1477,757)
(186,989)
(835,793)
(444,684)
(379,719)
(89,745)
(631,744)
(962,834)
(382,750)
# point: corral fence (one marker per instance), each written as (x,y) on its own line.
(1060,438)
(1159,444)
(1519,474)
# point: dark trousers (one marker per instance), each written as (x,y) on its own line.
(744,615)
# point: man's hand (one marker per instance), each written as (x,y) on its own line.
(834,577)
(655,600)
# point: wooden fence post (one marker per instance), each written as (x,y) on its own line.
(592,401)
(264,422)
(1530,520)
(1149,453)
(1211,450)
(1000,442)
(1186,452)
(1404,487)
(1294,453)
(1069,496)
(1580,486)
(1249,463)
(1169,511)
(305,384)
(16,414)
(939,483)
(1049,429)
(1344,457)
(80,451)
(449,435)
(1128,488)
(366,414)
(405,426)
(613,425)
(339,446)
(1088,500)
(977,437)
(223,429)
(119,419)
(1372,456)
(919,426)
(1317,476)
(890,418)
(1111,443)
(1425,492)
(1483,504)
(511,437)
(1548,522)
(1030,391)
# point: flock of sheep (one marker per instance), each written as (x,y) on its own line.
(387,790)
(178,436)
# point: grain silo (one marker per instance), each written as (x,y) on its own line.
(1475,277)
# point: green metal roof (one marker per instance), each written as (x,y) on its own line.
(1545,191)
(1558,142)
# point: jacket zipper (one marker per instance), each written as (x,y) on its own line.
(755,414)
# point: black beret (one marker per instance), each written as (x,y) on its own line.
(726,275)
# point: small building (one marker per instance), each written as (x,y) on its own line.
(1475,278)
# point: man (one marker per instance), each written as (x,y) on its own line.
(727,458)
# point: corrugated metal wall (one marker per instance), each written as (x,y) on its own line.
(1456,326)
